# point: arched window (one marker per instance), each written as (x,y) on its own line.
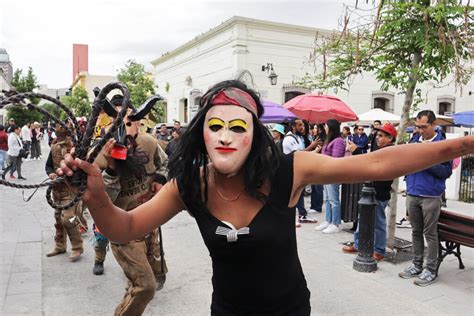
(383,100)
(194,99)
(446,104)
(291,94)
(290,91)
(183,110)
(381,103)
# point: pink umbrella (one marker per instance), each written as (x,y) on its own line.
(320,108)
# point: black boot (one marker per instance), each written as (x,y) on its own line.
(160,281)
(98,268)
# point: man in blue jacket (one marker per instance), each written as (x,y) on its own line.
(424,189)
(361,140)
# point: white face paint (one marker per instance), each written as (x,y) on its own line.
(228,135)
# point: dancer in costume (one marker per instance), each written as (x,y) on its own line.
(67,222)
(227,173)
(129,171)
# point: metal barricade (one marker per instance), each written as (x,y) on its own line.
(466,188)
(350,196)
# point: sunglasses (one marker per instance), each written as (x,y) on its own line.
(360,129)
(380,135)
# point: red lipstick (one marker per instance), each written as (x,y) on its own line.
(225,149)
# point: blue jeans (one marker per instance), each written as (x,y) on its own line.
(317,197)
(3,158)
(380,232)
(300,205)
(333,204)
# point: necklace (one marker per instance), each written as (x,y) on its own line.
(235,198)
(232,199)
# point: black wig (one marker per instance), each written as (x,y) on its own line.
(191,154)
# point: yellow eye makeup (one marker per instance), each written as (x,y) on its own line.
(215,121)
(238,123)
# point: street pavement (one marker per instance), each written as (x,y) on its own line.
(32,284)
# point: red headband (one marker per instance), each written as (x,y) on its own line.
(237,97)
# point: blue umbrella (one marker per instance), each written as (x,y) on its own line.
(275,113)
(465,119)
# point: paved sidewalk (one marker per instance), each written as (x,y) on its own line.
(32,284)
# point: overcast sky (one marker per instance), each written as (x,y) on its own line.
(40,34)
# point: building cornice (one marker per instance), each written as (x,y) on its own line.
(236,20)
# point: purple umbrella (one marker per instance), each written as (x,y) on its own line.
(275,113)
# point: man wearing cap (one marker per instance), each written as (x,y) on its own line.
(278,132)
(424,190)
(11,123)
(385,137)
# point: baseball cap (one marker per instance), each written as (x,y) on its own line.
(279,128)
(389,129)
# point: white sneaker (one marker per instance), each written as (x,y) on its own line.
(323,226)
(331,229)
(311,210)
(404,223)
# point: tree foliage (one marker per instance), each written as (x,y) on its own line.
(24,83)
(23,115)
(54,110)
(141,85)
(78,102)
(385,44)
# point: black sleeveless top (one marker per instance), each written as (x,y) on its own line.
(259,273)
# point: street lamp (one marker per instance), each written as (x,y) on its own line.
(271,73)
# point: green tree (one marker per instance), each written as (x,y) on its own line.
(141,85)
(78,102)
(54,110)
(23,115)
(24,83)
(403,43)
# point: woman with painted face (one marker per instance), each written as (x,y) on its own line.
(226,172)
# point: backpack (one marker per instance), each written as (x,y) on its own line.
(294,137)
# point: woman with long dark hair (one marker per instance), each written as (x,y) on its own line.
(334,146)
(226,172)
(317,190)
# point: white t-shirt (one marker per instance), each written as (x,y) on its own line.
(25,133)
(292,143)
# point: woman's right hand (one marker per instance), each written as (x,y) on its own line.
(95,184)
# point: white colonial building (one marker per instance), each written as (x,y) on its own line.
(241,46)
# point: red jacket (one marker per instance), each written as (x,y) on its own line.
(3,141)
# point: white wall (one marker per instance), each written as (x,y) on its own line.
(206,63)
(92,81)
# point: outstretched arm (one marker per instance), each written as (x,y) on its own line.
(388,163)
(116,224)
